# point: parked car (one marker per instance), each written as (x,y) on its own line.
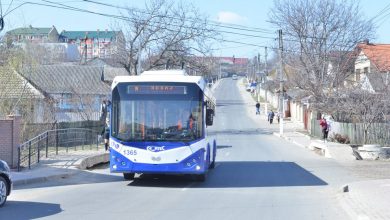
(234,77)
(5,182)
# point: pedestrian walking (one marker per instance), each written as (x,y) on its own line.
(278,117)
(257,108)
(324,128)
(271,116)
(106,134)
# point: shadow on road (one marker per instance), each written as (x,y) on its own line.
(236,174)
(79,177)
(223,146)
(31,210)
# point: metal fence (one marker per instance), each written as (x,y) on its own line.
(53,142)
(377,133)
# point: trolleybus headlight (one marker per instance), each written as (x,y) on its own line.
(114,167)
(198,167)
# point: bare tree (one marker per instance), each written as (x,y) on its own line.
(320,37)
(164,31)
(17,97)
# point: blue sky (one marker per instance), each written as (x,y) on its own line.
(250,13)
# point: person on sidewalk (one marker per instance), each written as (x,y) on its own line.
(257,108)
(106,134)
(271,116)
(278,117)
(324,127)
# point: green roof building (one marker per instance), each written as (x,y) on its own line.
(33,34)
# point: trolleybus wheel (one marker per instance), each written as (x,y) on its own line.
(212,165)
(128,176)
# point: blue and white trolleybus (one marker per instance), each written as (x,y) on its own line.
(158,124)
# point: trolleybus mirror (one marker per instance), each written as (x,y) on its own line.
(209,116)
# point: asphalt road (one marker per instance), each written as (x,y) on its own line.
(257,176)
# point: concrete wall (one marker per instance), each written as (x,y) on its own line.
(9,140)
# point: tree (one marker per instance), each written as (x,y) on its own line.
(164,31)
(320,37)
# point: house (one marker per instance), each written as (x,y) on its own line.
(17,94)
(33,35)
(372,66)
(91,44)
(59,93)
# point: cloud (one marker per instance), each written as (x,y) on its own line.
(230,17)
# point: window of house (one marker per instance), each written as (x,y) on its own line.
(65,101)
(365,70)
(357,75)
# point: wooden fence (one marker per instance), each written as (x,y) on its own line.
(378,133)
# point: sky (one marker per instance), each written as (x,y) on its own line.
(250,13)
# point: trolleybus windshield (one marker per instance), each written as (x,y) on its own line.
(157,112)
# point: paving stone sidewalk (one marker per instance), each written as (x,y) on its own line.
(57,166)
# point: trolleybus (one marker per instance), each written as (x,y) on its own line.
(158,124)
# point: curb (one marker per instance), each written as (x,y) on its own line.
(289,139)
(42,179)
(91,161)
(81,164)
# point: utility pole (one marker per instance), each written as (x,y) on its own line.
(265,62)
(258,77)
(281,109)
(265,73)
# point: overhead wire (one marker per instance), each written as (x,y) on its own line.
(63,6)
(218,24)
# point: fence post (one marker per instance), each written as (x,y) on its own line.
(83,141)
(47,143)
(97,142)
(29,155)
(19,159)
(90,139)
(66,139)
(38,148)
(56,142)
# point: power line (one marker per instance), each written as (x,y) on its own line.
(380,13)
(218,24)
(67,7)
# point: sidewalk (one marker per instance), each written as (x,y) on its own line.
(363,200)
(60,166)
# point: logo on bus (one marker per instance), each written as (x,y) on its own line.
(114,144)
(155,148)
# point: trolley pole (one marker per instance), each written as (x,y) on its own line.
(281,109)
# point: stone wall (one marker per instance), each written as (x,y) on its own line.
(9,140)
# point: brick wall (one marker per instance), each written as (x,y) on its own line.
(9,140)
